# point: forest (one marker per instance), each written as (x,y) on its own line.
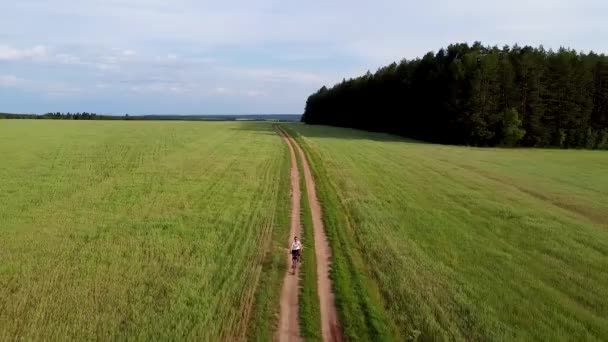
(478,95)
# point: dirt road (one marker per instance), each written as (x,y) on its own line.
(289,323)
(330,327)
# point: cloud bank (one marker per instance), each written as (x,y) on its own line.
(193,57)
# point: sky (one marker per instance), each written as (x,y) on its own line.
(244,57)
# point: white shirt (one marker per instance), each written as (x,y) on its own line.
(296,246)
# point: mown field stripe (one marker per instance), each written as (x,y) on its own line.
(358,300)
(289,324)
(330,325)
(265,313)
(310,310)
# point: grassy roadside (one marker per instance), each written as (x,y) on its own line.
(358,300)
(263,324)
(310,316)
(474,243)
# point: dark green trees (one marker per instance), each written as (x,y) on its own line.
(512,131)
(477,95)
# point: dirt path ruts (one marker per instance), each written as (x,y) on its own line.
(330,327)
(289,323)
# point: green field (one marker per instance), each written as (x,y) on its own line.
(140,230)
(439,242)
(178,230)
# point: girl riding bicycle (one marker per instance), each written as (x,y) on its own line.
(296,251)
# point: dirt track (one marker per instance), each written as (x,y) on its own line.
(289,323)
(330,327)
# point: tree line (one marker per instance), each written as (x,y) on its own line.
(65,116)
(478,95)
(213,117)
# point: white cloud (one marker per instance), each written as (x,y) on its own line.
(61,89)
(265,52)
(65,58)
(45,88)
(105,67)
(12,54)
(167,59)
(9,81)
(255,93)
(158,88)
(267,75)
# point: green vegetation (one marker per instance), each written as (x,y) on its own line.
(478,95)
(357,299)
(436,242)
(140,230)
(310,314)
(266,306)
(177,230)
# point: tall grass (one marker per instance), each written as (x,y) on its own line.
(137,230)
(463,243)
(310,310)
(357,298)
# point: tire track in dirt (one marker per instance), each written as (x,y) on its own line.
(289,322)
(330,327)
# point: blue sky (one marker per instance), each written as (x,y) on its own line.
(202,57)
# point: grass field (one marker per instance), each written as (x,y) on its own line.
(141,230)
(177,230)
(310,315)
(438,242)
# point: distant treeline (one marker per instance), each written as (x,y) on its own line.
(93,116)
(477,95)
(65,116)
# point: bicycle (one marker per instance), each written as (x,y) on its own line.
(296,258)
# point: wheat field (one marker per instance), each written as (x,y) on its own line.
(138,230)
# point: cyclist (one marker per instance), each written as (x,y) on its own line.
(296,251)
